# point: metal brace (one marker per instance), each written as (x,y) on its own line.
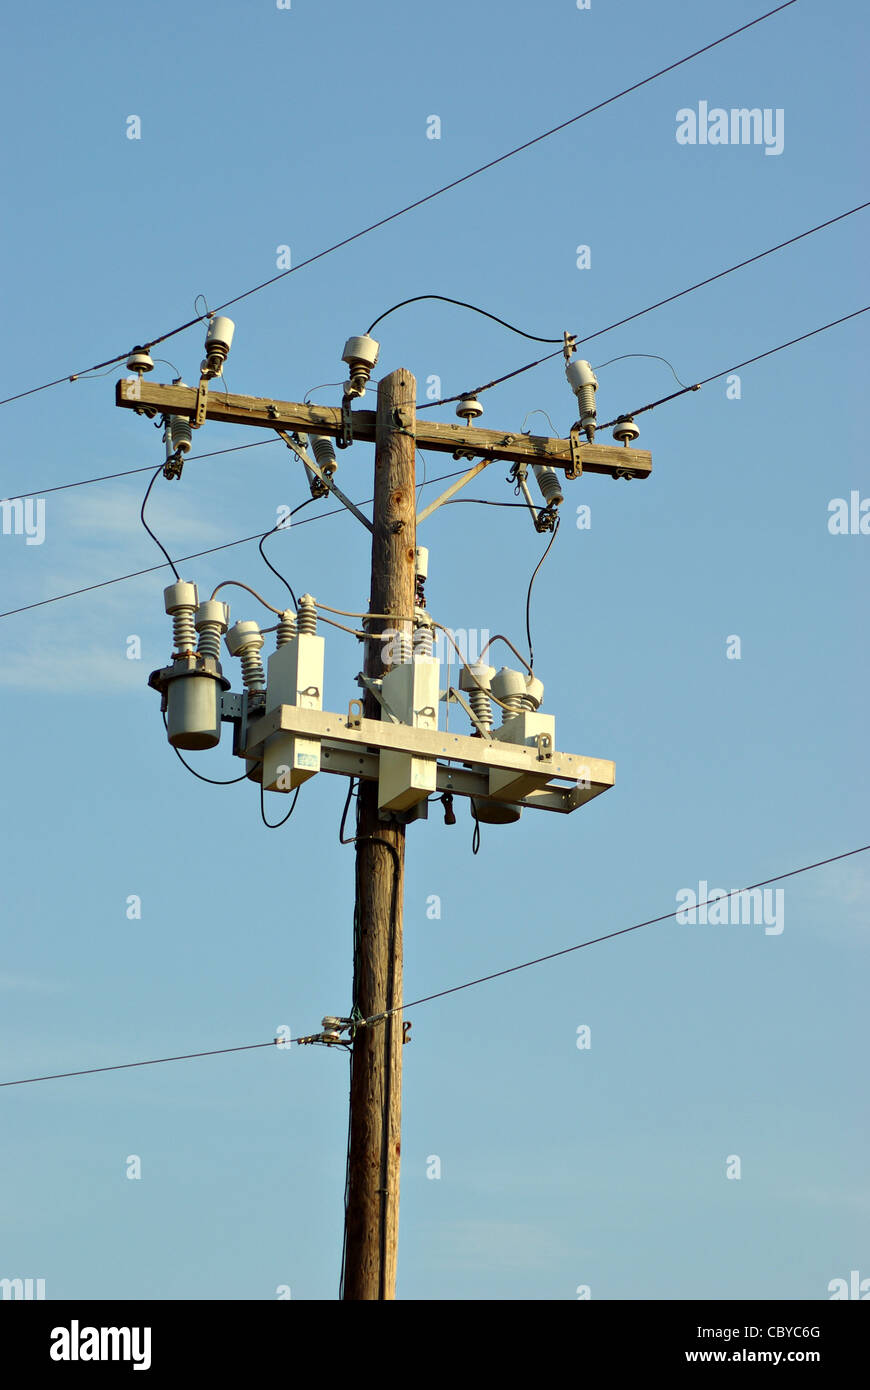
(315,473)
(345,438)
(456,695)
(575,445)
(402,421)
(201,403)
(374,688)
(354,714)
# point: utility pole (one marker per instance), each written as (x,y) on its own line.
(376,1071)
(398,759)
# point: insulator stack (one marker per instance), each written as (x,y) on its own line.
(482,707)
(534,693)
(404,646)
(286,627)
(306,616)
(509,688)
(180,600)
(584,383)
(324,453)
(548,482)
(179,434)
(424,634)
(476,680)
(253,675)
(245,640)
(212,621)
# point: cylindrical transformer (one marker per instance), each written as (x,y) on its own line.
(193,709)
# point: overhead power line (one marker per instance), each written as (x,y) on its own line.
(419,202)
(669,299)
(748,362)
(455,989)
(337,511)
(198,554)
(129,472)
(623,931)
(446,400)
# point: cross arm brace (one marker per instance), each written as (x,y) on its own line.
(613,460)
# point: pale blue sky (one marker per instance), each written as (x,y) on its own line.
(263,127)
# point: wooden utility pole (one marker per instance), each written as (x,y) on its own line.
(376,1072)
(523,769)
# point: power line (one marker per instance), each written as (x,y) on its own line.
(337,511)
(651,921)
(469,984)
(198,554)
(419,202)
(151,1062)
(446,400)
(669,299)
(129,472)
(749,360)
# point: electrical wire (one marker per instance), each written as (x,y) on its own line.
(529,594)
(475,837)
(609,936)
(419,202)
(277,825)
(237,584)
(158,543)
(281,526)
(373,380)
(468,984)
(415,299)
(538,411)
(198,554)
(338,511)
(151,1062)
(223,782)
(715,376)
(446,400)
(129,472)
(499,637)
(669,299)
(481,502)
(623,357)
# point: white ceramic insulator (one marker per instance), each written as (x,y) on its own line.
(306,616)
(324,453)
(548,482)
(286,627)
